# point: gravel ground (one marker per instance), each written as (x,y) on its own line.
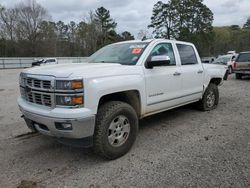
(178,148)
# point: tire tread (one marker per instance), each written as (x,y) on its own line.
(202,103)
(106,110)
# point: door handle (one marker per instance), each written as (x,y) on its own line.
(200,71)
(177,74)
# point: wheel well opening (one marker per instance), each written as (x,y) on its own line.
(131,97)
(216,81)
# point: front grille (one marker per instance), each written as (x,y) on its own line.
(38,91)
(38,98)
(39,84)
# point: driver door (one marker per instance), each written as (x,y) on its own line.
(163,83)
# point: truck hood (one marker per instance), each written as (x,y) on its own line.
(85,70)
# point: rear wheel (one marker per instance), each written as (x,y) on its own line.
(210,98)
(238,76)
(116,129)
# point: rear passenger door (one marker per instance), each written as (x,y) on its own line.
(191,72)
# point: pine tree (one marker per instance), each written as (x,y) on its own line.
(105,23)
(247,24)
(162,20)
(181,19)
(127,36)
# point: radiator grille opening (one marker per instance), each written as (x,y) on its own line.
(38,91)
(39,84)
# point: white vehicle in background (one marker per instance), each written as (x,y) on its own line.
(46,61)
(208,59)
(227,60)
(231,52)
(98,104)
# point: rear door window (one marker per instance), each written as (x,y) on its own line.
(244,57)
(187,54)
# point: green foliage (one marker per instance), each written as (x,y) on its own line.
(188,20)
(35,35)
(26,30)
(181,19)
(127,36)
(235,27)
(228,38)
(247,24)
(163,20)
(106,26)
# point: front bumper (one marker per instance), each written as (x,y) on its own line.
(44,120)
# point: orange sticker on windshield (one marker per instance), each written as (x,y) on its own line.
(136,50)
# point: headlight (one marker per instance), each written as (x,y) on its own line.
(69,100)
(69,84)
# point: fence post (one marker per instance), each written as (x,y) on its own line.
(3,64)
(20,62)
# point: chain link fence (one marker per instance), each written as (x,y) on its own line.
(25,62)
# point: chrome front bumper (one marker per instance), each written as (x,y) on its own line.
(82,126)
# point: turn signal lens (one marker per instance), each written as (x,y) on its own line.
(77,100)
(76,85)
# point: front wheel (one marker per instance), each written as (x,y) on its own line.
(116,129)
(210,98)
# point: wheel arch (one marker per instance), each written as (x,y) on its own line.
(216,81)
(132,97)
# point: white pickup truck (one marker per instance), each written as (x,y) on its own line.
(99,103)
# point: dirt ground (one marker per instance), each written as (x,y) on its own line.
(178,148)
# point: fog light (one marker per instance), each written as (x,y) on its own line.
(67,125)
(64,126)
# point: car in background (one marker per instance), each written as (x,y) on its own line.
(208,59)
(231,52)
(227,60)
(242,65)
(46,61)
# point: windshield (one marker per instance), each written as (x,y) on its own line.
(222,60)
(244,57)
(122,53)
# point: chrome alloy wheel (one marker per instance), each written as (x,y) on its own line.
(118,131)
(210,99)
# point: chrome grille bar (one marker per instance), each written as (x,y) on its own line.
(39,90)
(39,84)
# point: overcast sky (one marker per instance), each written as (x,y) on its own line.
(133,15)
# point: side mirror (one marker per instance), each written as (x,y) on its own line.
(156,61)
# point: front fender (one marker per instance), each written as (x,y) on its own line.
(95,88)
